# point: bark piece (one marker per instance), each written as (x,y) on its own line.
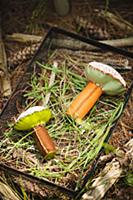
(111,173)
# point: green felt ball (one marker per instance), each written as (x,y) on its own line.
(32,117)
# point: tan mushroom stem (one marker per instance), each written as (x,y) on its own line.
(44,141)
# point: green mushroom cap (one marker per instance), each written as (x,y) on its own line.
(106,77)
(32,117)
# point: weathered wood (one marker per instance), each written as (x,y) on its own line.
(67,43)
(5,86)
(111,173)
(123,42)
(20,37)
(7,192)
(76,45)
(85,56)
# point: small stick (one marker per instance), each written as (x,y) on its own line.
(24,38)
(51,82)
(5,85)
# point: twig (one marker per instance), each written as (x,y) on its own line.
(123,42)
(111,173)
(51,82)
(20,37)
(5,86)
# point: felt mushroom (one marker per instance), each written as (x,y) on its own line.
(102,79)
(35,117)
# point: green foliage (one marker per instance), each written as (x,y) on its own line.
(129,179)
(108,148)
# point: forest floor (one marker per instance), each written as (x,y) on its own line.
(36,17)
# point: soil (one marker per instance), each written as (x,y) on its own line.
(29,17)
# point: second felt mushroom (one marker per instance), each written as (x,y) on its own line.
(102,79)
(35,118)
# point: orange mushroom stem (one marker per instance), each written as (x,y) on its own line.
(102,79)
(84,101)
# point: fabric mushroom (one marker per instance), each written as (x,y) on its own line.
(102,79)
(35,117)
